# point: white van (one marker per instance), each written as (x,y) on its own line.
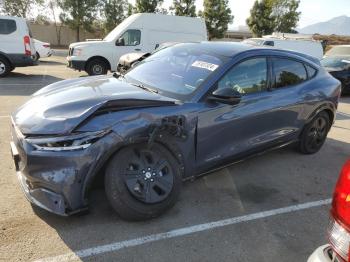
(139,32)
(16,45)
(309,47)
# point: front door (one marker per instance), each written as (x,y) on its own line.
(257,122)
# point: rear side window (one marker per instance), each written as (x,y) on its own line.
(310,71)
(288,72)
(7,26)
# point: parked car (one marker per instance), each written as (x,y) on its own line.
(129,60)
(140,33)
(42,49)
(339,50)
(309,47)
(339,67)
(184,111)
(16,46)
(339,226)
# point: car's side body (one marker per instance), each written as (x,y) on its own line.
(339,67)
(43,49)
(202,134)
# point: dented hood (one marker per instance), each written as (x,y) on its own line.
(60,107)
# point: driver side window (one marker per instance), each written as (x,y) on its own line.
(249,76)
(131,37)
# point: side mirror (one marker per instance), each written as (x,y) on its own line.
(226,95)
(120,42)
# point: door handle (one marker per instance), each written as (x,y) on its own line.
(137,49)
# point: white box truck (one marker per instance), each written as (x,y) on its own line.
(141,32)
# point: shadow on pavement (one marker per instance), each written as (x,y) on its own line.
(273,180)
(18,84)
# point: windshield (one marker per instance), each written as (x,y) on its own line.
(176,71)
(119,29)
(339,50)
(336,62)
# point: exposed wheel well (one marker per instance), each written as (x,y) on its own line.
(99,58)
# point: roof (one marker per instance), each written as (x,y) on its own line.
(230,49)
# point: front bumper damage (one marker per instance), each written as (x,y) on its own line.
(57,181)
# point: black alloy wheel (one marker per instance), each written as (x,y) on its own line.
(315,134)
(142,182)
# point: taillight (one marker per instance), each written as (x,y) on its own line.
(339,229)
(27,49)
(46,46)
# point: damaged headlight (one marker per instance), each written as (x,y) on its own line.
(66,143)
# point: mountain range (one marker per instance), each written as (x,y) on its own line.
(338,25)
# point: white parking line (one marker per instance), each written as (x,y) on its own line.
(179,232)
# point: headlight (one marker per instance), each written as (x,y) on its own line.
(66,143)
(77,52)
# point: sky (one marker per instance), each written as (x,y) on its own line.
(312,11)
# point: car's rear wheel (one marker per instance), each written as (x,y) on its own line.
(315,133)
(5,67)
(97,67)
(141,182)
(36,56)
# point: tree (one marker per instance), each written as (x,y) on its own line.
(147,6)
(42,20)
(114,12)
(217,16)
(18,7)
(268,16)
(130,9)
(184,7)
(79,14)
(53,6)
(260,21)
(286,16)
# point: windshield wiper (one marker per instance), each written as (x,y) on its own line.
(145,88)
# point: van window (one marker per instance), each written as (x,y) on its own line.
(248,77)
(269,43)
(288,72)
(131,37)
(7,26)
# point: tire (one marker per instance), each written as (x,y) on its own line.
(97,67)
(36,57)
(142,183)
(314,134)
(5,67)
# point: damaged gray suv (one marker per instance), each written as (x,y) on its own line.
(182,112)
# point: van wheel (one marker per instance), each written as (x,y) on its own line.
(141,182)
(97,67)
(5,67)
(314,134)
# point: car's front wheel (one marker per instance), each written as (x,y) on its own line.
(36,57)
(315,133)
(142,182)
(97,67)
